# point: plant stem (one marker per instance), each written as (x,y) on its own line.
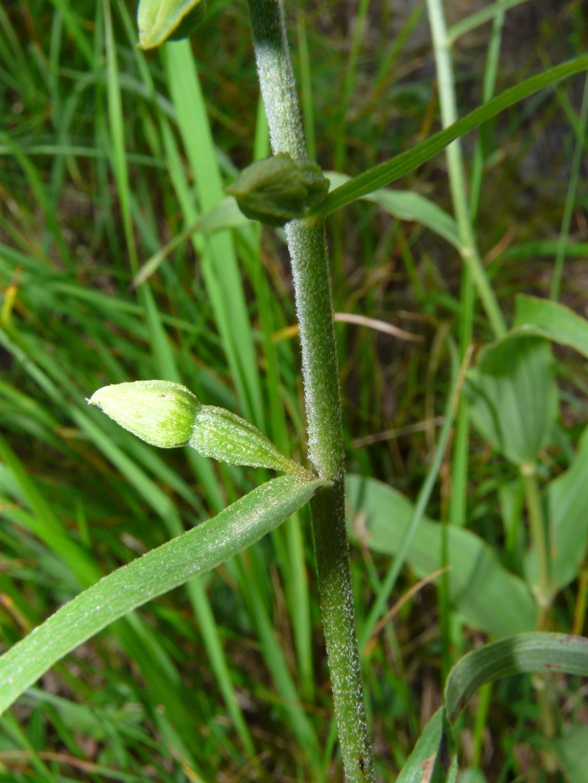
(571,197)
(310,269)
(539,538)
(457,179)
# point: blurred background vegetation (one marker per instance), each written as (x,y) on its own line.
(105,155)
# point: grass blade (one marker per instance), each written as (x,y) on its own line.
(388,172)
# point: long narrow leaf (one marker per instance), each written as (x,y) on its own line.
(159,571)
(391,170)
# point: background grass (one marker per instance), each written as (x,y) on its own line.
(101,163)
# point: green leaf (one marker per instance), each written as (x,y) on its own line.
(513,395)
(224,215)
(168,415)
(426,764)
(224,436)
(480,17)
(481,589)
(388,172)
(522,654)
(406,205)
(160,20)
(472,775)
(568,517)
(554,321)
(571,750)
(147,577)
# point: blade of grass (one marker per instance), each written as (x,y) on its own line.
(480,17)
(389,581)
(570,197)
(218,263)
(391,170)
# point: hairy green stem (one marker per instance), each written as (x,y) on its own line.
(310,269)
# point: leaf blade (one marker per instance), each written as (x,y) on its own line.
(521,654)
(488,596)
(554,321)
(202,548)
(391,170)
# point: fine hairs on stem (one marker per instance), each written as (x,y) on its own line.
(310,270)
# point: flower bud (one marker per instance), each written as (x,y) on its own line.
(167,415)
(159,412)
(279,189)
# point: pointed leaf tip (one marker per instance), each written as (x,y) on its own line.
(168,20)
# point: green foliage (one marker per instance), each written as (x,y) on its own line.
(554,321)
(531,652)
(480,588)
(160,570)
(513,396)
(121,257)
(168,20)
(567,498)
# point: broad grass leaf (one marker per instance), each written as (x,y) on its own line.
(513,395)
(554,321)
(521,654)
(201,549)
(567,498)
(481,589)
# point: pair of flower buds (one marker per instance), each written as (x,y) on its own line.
(168,415)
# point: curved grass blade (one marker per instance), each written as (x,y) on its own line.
(226,214)
(385,173)
(524,653)
(147,577)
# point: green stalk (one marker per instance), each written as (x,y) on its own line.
(539,538)
(570,198)
(457,179)
(310,269)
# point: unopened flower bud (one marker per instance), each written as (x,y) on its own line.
(168,415)
(279,189)
(159,412)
